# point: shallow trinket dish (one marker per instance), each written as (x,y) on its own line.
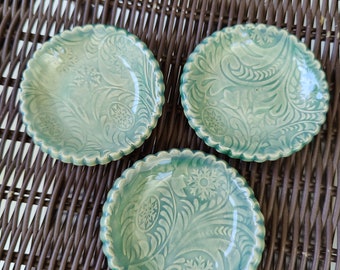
(254,92)
(182,210)
(91,95)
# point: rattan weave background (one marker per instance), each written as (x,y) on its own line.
(50,211)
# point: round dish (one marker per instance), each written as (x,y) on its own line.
(91,95)
(254,92)
(182,210)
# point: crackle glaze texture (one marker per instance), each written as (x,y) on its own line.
(182,210)
(91,95)
(254,92)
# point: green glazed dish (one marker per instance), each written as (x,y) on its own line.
(91,95)
(254,92)
(182,210)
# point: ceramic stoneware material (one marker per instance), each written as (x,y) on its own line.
(91,95)
(182,210)
(254,92)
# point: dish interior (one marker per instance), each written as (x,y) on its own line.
(92,92)
(182,210)
(254,92)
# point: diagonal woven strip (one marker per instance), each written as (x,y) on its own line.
(50,211)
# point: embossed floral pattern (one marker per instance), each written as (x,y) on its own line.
(121,116)
(198,263)
(204,183)
(263,93)
(214,120)
(88,77)
(214,224)
(147,213)
(264,38)
(63,58)
(95,99)
(50,126)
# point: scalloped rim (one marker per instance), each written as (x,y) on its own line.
(93,160)
(124,179)
(229,151)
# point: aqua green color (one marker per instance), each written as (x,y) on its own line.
(91,95)
(254,92)
(182,210)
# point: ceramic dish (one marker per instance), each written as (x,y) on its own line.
(91,95)
(182,210)
(254,92)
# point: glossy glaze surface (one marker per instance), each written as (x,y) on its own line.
(91,95)
(254,92)
(182,210)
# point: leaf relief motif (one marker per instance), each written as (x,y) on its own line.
(260,94)
(146,228)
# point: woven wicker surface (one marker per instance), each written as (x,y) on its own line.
(50,211)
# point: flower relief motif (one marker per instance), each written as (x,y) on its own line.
(88,77)
(214,120)
(147,213)
(205,183)
(198,263)
(50,126)
(121,116)
(263,37)
(63,58)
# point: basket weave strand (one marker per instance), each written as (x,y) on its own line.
(50,211)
